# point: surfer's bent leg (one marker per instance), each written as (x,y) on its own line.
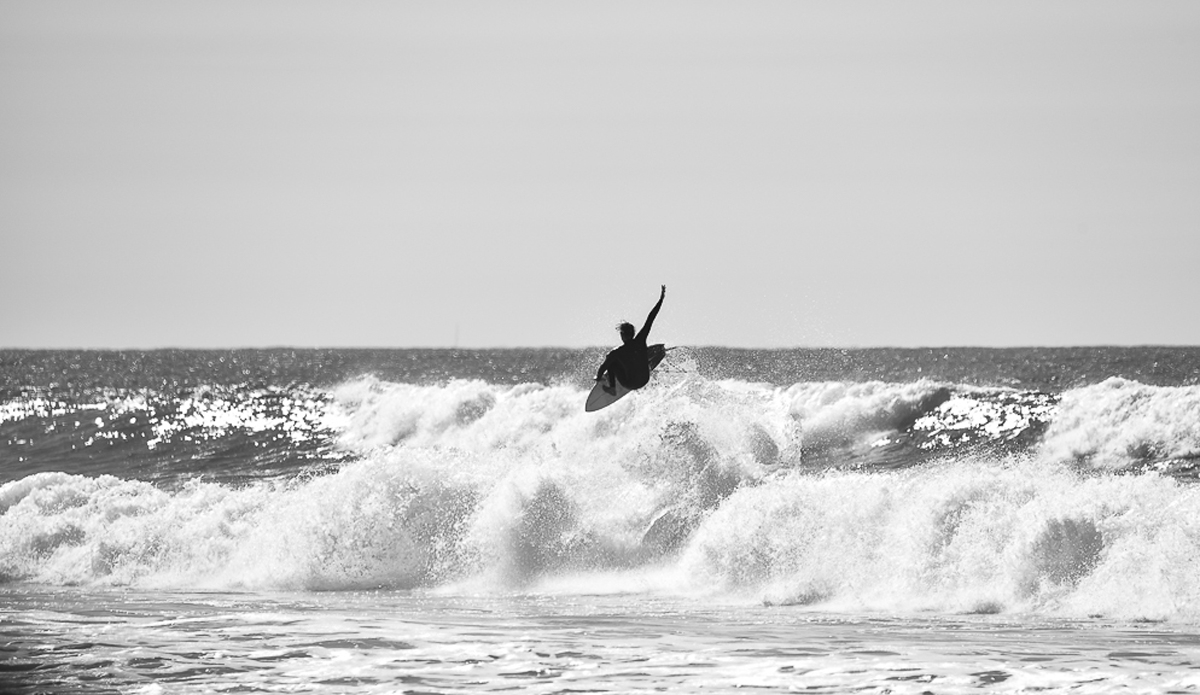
(616,372)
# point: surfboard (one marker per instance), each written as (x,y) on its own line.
(602,397)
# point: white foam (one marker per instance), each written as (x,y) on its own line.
(688,486)
(1118,423)
(972,536)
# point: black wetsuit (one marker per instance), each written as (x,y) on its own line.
(630,363)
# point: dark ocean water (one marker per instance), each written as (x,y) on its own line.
(332,520)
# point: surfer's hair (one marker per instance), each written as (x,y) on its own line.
(626,328)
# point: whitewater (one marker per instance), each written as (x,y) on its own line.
(452,521)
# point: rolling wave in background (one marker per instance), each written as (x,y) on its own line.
(843,495)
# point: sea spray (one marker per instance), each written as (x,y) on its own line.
(893,496)
(964,536)
(1121,424)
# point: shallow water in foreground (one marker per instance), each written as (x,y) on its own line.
(70,641)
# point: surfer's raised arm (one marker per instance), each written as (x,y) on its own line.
(645,332)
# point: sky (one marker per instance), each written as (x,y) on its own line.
(513,174)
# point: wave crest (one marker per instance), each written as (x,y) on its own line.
(905,496)
(1121,424)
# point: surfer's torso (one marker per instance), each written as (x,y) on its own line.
(633,363)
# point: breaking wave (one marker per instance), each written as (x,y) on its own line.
(911,496)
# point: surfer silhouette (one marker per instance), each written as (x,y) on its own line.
(630,363)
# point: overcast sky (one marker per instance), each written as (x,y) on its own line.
(401,174)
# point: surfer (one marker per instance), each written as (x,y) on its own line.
(630,364)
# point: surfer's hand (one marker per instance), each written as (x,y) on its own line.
(664,291)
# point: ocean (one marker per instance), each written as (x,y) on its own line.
(452,521)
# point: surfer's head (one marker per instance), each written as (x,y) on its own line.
(625,328)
